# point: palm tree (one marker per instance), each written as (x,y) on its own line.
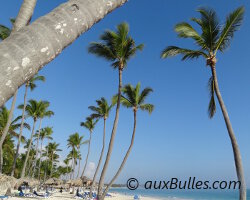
(14,125)
(131,98)
(102,110)
(117,47)
(52,149)
(75,142)
(44,134)
(90,125)
(32,85)
(214,37)
(44,113)
(33,110)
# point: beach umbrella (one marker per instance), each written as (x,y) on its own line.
(27,181)
(53,181)
(77,183)
(6,182)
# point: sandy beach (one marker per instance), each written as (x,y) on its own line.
(67,196)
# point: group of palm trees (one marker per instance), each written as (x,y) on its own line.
(118,47)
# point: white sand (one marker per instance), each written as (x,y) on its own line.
(67,196)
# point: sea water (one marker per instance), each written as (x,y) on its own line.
(183,194)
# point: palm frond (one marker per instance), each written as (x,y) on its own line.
(147,107)
(171,51)
(185,30)
(233,23)
(4,32)
(101,50)
(210,27)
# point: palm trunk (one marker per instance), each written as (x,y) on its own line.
(21,131)
(37,144)
(6,130)
(86,160)
(46,168)
(27,155)
(236,150)
(51,170)
(124,159)
(43,40)
(112,139)
(100,159)
(23,18)
(79,164)
(73,174)
(39,166)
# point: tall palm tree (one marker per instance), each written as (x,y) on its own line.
(214,37)
(102,110)
(44,134)
(14,125)
(75,141)
(44,113)
(90,125)
(33,110)
(52,149)
(131,98)
(31,84)
(117,47)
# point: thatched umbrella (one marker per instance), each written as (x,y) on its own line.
(53,181)
(77,183)
(27,181)
(6,182)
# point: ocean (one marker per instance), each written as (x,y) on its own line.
(183,194)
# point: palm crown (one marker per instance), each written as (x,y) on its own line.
(133,98)
(44,133)
(89,124)
(101,110)
(117,47)
(32,82)
(214,37)
(34,108)
(4,115)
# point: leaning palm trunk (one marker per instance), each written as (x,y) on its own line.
(86,160)
(39,165)
(23,18)
(43,40)
(100,159)
(37,144)
(236,150)
(28,152)
(112,139)
(21,131)
(6,129)
(124,160)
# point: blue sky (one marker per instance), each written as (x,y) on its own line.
(178,139)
